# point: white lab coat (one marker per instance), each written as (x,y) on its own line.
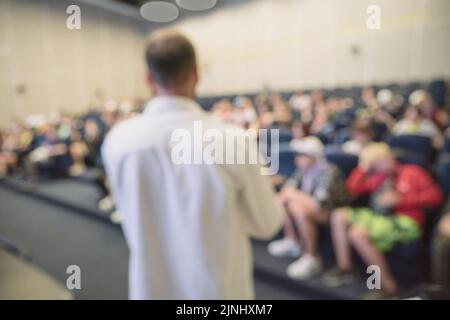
(188,227)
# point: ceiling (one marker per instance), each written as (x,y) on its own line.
(132,2)
(185,13)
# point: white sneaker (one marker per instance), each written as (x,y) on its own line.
(106,204)
(285,247)
(77,170)
(115,217)
(305,267)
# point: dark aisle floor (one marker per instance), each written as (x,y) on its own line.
(56,238)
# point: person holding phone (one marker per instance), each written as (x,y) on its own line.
(399,194)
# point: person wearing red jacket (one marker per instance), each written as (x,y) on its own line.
(399,194)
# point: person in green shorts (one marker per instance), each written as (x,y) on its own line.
(398,195)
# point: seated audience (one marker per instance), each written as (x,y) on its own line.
(49,157)
(282,114)
(244,113)
(78,152)
(299,130)
(390,104)
(299,101)
(320,118)
(362,135)
(93,138)
(399,194)
(308,197)
(223,110)
(415,123)
(60,145)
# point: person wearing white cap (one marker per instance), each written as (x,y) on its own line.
(314,190)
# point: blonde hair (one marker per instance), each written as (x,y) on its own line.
(375,152)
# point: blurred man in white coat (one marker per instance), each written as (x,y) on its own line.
(188,226)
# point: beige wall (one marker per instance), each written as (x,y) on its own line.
(61,69)
(306,43)
(284,43)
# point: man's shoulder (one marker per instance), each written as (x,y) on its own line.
(128,135)
(146,131)
(123,129)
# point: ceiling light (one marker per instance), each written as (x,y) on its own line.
(159,11)
(196,5)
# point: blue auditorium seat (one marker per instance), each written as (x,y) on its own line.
(344,120)
(412,149)
(380,130)
(344,161)
(446,148)
(342,136)
(333,148)
(407,262)
(287,95)
(413,86)
(443,174)
(285,136)
(287,160)
(438,91)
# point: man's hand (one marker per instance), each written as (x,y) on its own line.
(389,199)
(277,180)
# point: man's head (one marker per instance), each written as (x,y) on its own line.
(378,157)
(172,63)
(308,151)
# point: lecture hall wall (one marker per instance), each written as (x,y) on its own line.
(46,67)
(288,44)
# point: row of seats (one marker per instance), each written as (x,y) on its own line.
(408,149)
(436,88)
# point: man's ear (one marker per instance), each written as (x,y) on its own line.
(196,75)
(151,82)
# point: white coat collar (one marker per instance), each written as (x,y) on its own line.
(171,103)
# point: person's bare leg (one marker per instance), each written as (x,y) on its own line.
(340,223)
(288,227)
(76,152)
(307,229)
(360,240)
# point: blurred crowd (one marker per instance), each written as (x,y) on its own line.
(381,203)
(386,201)
(58,145)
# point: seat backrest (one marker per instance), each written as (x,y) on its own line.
(287,160)
(446,148)
(411,148)
(443,175)
(344,161)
